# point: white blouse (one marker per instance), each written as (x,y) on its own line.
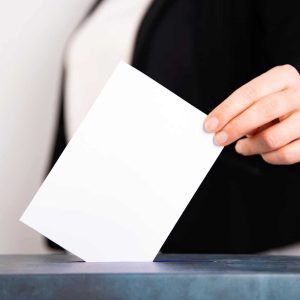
(104,39)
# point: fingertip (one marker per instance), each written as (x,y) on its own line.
(220,138)
(239,148)
(211,124)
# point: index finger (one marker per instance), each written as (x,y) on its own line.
(274,80)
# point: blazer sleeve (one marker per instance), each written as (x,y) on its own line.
(280,24)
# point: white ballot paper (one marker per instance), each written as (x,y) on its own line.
(127,174)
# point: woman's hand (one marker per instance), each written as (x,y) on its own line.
(265,113)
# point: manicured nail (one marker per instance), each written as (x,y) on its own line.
(239,148)
(220,138)
(211,124)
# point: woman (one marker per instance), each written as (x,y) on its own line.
(236,60)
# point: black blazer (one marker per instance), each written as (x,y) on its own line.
(203,50)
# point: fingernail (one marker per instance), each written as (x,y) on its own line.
(239,148)
(220,138)
(211,124)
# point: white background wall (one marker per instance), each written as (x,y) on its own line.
(33,35)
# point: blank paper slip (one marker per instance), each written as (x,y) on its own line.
(127,174)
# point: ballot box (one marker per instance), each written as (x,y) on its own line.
(169,277)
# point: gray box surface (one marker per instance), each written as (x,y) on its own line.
(172,276)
